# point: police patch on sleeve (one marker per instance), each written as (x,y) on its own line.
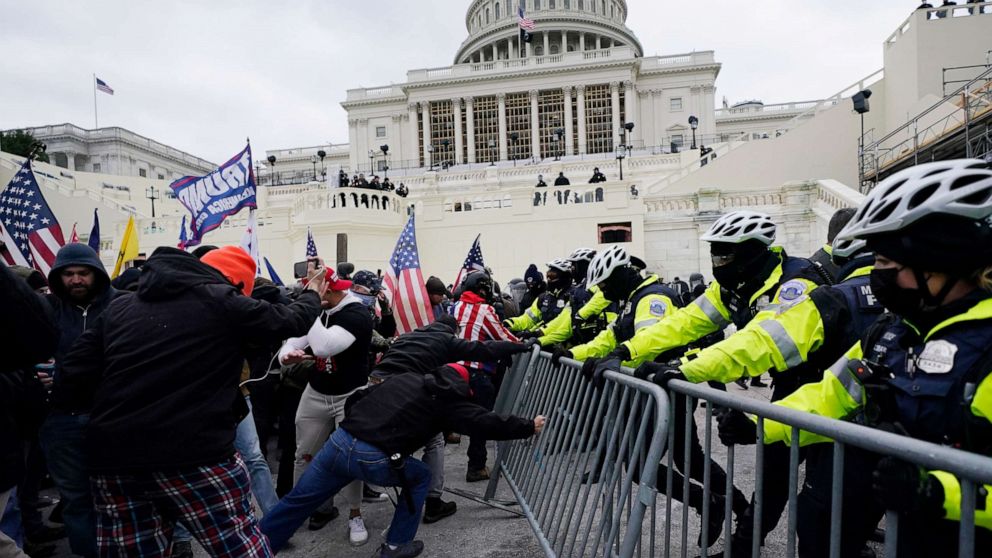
(937,357)
(791,290)
(658,308)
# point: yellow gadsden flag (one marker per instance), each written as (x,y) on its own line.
(129,247)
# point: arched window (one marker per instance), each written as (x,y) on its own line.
(497,11)
(568,4)
(487,16)
(599,194)
(551,4)
(580,5)
(537,4)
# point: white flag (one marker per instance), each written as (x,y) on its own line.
(249,241)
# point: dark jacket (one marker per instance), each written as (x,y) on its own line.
(403,414)
(22,408)
(823,259)
(562,181)
(423,350)
(159,370)
(74,319)
(28,330)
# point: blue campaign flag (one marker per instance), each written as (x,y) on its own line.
(272,273)
(94,240)
(182,234)
(218,195)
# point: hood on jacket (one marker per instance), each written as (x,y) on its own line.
(235,264)
(77,254)
(445,324)
(128,280)
(472,298)
(171,271)
(447,382)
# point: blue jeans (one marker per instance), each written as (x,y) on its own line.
(262,487)
(62,441)
(343,459)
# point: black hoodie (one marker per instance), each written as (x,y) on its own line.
(424,349)
(159,370)
(403,414)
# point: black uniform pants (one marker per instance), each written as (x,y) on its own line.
(485,395)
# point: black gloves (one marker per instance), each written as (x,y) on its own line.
(524,335)
(530,342)
(907,488)
(557,355)
(595,368)
(736,428)
(659,373)
(507,348)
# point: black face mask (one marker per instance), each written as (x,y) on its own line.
(907,303)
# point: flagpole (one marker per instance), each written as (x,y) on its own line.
(96,121)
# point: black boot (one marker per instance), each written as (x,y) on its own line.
(718,507)
(436,509)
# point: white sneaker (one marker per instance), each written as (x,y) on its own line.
(357,533)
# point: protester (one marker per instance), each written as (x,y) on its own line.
(440,297)
(479,322)
(561,180)
(401,190)
(81,292)
(162,394)
(535,286)
(339,345)
(597,176)
(384,425)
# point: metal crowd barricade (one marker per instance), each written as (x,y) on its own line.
(578,483)
(971,469)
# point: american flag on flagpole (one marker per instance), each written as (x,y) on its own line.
(404,280)
(523,22)
(473,262)
(30,232)
(311,246)
(102,86)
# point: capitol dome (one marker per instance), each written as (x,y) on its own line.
(560,26)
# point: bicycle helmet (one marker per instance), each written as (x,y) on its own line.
(605,263)
(560,265)
(582,254)
(739,226)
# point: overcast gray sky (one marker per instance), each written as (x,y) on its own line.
(201,76)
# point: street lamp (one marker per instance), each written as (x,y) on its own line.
(430,156)
(693,123)
(385,158)
(492,152)
(313,160)
(150,194)
(621,153)
(272,168)
(371,163)
(513,138)
(446,162)
(559,142)
(323,169)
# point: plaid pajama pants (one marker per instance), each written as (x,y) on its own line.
(137,513)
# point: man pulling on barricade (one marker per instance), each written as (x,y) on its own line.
(384,424)
(421,351)
(796,341)
(750,276)
(646,301)
(589,311)
(921,371)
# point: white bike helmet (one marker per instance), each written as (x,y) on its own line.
(603,265)
(582,254)
(738,226)
(959,187)
(561,265)
(847,247)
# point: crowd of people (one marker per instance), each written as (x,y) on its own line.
(150,401)
(360,181)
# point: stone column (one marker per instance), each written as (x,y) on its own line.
(425,107)
(501,97)
(582,41)
(580,102)
(470,124)
(412,152)
(546,45)
(615,111)
(456,111)
(598,42)
(564,43)
(535,126)
(630,98)
(495,53)
(568,121)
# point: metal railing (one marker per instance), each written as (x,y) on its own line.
(578,482)
(970,468)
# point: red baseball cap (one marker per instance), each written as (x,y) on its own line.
(334,282)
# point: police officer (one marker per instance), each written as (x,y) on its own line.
(549,304)
(589,311)
(645,301)
(797,340)
(922,370)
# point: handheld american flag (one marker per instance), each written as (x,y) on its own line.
(473,262)
(311,245)
(31,235)
(404,280)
